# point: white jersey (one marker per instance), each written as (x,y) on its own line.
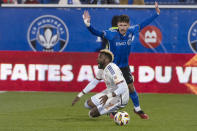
(112,76)
(116,83)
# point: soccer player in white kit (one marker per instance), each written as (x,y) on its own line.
(115,96)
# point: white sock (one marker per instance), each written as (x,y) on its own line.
(137,108)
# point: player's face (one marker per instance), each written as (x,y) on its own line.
(101,61)
(123,27)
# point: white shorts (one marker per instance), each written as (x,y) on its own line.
(111,105)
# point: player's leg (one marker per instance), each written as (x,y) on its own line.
(135,99)
(134,96)
(94,101)
(111,105)
(93,109)
(132,92)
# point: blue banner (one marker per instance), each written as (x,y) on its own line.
(62,29)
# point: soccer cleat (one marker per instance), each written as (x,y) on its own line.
(112,114)
(141,114)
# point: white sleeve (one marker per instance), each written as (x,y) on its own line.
(91,85)
(99,74)
(122,88)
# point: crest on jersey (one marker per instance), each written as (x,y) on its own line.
(48,33)
(192,37)
(131,38)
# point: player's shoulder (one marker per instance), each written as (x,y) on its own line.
(113,65)
(112,68)
(110,34)
(111,30)
(133,26)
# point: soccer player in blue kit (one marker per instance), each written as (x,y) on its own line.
(120,45)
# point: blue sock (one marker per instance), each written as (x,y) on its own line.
(135,99)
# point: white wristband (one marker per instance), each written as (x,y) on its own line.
(80,94)
(86,23)
(109,95)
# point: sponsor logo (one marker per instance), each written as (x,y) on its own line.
(48,33)
(128,42)
(150,37)
(192,37)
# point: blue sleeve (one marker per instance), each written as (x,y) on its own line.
(95,32)
(148,21)
(134,29)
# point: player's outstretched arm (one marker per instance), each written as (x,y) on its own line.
(149,20)
(91,85)
(157,8)
(75,100)
(86,19)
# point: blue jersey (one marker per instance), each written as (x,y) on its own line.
(120,45)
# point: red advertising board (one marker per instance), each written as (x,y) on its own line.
(42,71)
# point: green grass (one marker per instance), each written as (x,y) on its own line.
(45,111)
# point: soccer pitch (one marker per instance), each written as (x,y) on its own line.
(49,111)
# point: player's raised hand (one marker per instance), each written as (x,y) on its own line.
(75,100)
(86,18)
(157,8)
(86,15)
